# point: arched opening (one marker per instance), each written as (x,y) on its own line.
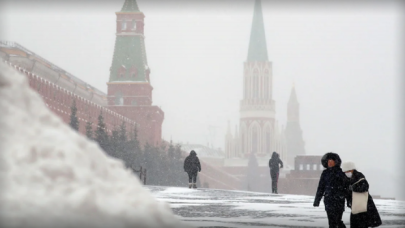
(255,140)
(123,25)
(133,24)
(119,100)
(255,84)
(268,139)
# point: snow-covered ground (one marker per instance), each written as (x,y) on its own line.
(222,208)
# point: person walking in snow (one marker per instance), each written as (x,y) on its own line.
(192,166)
(333,186)
(274,163)
(359,184)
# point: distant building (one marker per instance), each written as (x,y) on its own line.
(258,132)
(129,86)
(293,132)
(129,100)
(129,97)
(304,179)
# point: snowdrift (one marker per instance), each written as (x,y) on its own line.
(51,176)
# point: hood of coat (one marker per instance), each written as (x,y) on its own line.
(333,156)
(274,155)
(193,153)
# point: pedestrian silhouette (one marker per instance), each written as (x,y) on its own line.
(192,166)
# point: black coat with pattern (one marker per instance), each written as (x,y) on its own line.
(371,217)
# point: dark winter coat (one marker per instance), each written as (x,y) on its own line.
(274,163)
(333,185)
(192,163)
(371,217)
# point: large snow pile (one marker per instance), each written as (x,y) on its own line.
(53,177)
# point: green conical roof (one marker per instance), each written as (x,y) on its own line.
(129,53)
(130,6)
(257,46)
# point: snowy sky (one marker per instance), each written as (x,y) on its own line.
(343,56)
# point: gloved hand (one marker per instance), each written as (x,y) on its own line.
(316,204)
(349,205)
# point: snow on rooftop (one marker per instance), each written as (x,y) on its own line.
(203,151)
(51,176)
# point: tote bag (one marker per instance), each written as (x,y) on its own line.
(359,200)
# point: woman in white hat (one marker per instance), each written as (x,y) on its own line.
(364,212)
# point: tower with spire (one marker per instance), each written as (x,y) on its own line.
(129,85)
(293,132)
(258,133)
(257,108)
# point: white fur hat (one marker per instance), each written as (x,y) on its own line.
(346,166)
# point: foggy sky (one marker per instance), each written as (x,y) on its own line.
(344,58)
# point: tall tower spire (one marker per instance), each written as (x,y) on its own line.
(130,6)
(293,132)
(257,108)
(257,45)
(293,107)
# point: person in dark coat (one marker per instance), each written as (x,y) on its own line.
(274,163)
(192,166)
(333,186)
(370,218)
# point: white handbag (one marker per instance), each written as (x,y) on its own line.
(359,200)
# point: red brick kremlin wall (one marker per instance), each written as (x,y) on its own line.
(59,98)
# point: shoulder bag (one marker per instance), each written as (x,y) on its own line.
(359,200)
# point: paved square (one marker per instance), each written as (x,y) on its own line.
(222,208)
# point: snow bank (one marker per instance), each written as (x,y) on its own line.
(53,177)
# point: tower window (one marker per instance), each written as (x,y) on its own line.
(121,71)
(243,142)
(123,25)
(134,72)
(119,100)
(255,84)
(268,141)
(133,24)
(255,141)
